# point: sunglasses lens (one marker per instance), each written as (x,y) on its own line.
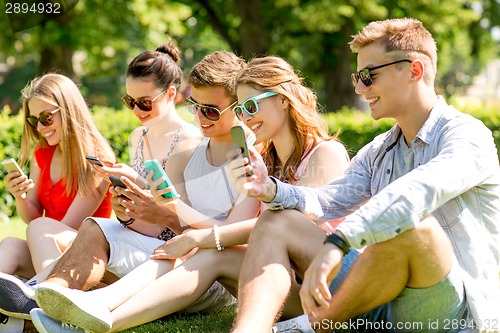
(210,113)
(251,107)
(365,77)
(238,112)
(45,119)
(354,78)
(128,102)
(190,106)
(32,121)
(144,104)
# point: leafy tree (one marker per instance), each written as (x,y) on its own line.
(313,35)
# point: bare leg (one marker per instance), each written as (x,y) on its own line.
(47,240)
(265,279)
(83,264)
(418,258)
(15,257)
(180,288)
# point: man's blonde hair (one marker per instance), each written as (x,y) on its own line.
(405,38)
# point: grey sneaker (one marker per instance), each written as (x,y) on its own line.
(74,307)
(45,324)
(16,298)
(298,324)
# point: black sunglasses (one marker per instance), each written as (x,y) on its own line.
(144,104)
(45,118)
(365,74)
(209,112)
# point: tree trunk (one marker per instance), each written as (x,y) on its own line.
(336,69)
(254,37)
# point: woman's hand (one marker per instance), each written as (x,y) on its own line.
(258,185)
(180,245)
(118,170)
(18,184)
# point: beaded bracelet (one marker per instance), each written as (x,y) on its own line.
(125,223)
(217,240)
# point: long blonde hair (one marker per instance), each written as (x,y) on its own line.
(79,137)
(273,73)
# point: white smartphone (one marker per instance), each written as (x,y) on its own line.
(11,165)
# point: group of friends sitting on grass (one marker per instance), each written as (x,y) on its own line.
(404,238)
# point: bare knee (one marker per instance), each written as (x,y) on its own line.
(426,251)
(16,258)
(278,225)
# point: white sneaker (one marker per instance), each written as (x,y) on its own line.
(73,306)
(11,324)
(298,324)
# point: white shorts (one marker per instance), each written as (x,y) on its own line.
(127,248)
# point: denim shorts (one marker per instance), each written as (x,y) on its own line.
(440,308)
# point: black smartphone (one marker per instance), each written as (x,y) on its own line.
(117,182)
(240,141)
(159,172)
(94,160)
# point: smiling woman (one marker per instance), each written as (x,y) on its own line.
(61,188)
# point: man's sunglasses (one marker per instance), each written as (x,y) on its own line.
(144,104)
(45,118)
(251,106)
(209,112)
(365,74)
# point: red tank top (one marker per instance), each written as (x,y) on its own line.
(53,197)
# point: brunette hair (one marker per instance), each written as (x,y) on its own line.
(161,66)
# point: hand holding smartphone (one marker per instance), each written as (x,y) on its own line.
(11,165)
(240,141)
(94,160)
(159,172)
(117,183)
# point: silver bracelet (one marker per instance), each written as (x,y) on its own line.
(216,236)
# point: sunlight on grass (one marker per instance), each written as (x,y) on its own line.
(13,227)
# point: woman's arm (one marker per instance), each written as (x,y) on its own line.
(228,235)
(24,190)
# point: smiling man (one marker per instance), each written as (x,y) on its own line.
(422,200)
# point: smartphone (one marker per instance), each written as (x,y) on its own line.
(94,160)
(11,165)
(117,182)
(240,141)
(159,172)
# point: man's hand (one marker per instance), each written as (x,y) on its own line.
(315,293)
(140,205)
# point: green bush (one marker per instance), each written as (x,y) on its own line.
(357,129)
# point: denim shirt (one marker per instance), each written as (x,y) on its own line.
(451,171)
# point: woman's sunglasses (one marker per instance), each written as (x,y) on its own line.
(365,74)
(251,106)
(45,118)
(209,112)
(144,104)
